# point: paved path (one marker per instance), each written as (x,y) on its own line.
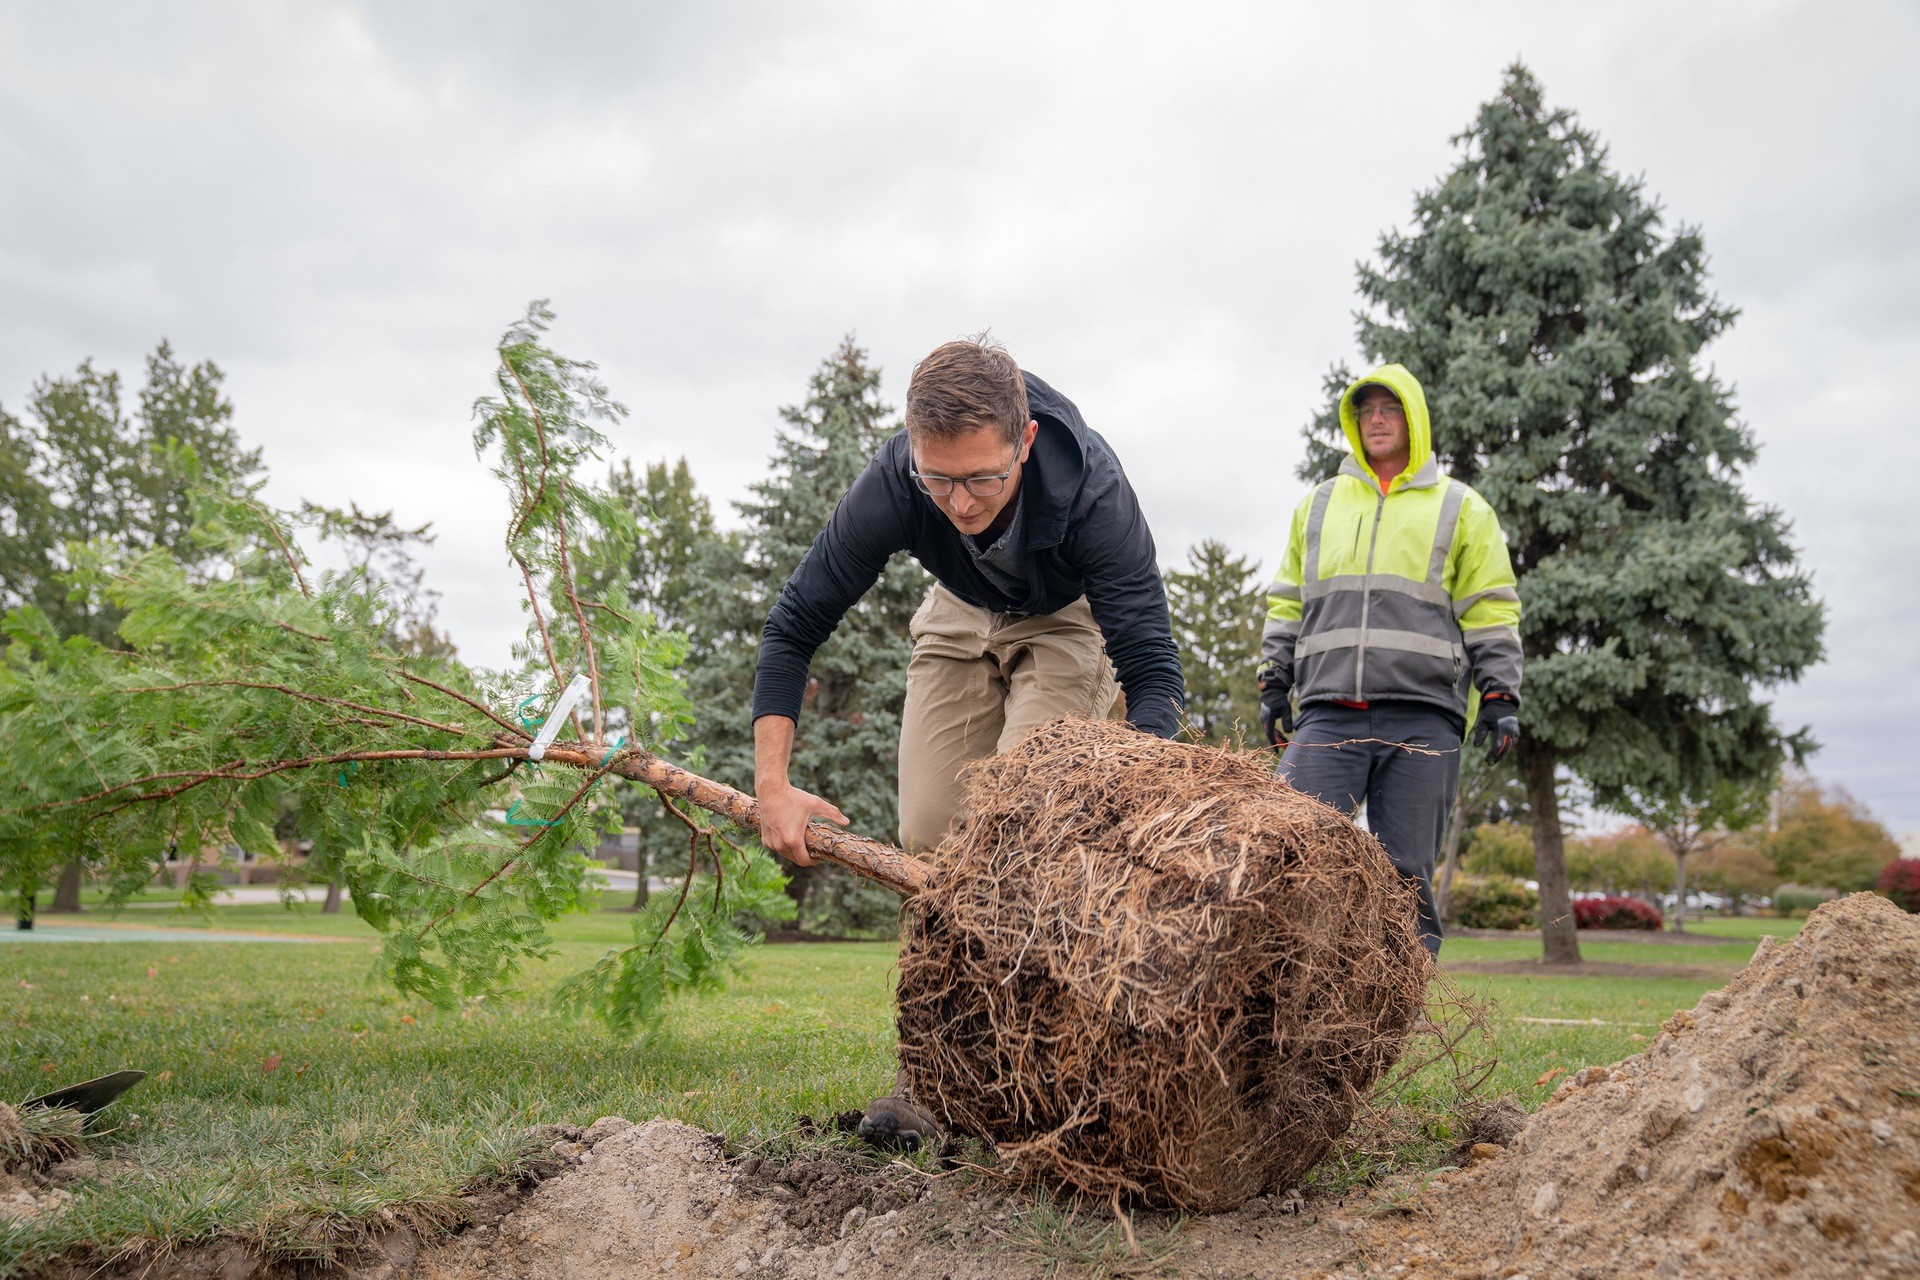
(133,933)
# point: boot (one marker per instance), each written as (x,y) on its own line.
(894,1123)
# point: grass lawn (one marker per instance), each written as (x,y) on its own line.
(291,1099)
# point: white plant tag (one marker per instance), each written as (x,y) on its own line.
(561,710)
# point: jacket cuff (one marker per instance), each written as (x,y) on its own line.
(1159,716)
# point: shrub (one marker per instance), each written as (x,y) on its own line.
(1499,849)
(1798,899)
(1615,911)
(1492,902)
(1900,881)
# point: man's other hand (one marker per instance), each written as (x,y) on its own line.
(1499,727)
(784,814)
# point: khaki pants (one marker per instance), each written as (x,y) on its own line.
(978,683)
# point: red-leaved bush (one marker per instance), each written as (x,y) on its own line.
(1900,881)
(1614,912)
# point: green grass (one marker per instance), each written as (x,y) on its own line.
(291,1098)
(1746,926)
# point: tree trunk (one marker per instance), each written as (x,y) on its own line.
(331,907)
(1679,893)
(642,861)
(1455,821)
(66,894)
(1559,943)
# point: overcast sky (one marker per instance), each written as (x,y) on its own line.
(1158,207)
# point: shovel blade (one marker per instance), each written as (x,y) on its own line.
(88,1096)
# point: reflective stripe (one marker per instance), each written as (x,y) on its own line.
(1310,563)
(1450,505)
(1460,607)
(1280,627)
(1283,590)
(1426,591)
(1480,635)
(1350,637)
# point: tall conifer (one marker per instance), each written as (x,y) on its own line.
(1558,330)
(847,745)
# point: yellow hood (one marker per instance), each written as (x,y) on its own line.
(1395,378)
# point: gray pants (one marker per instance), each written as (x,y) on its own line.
(1343,755)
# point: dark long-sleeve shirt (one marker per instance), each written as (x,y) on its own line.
(1084,536)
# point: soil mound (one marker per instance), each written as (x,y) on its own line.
(1774,1130)
(1151,969)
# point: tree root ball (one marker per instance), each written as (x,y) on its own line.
(1152,970)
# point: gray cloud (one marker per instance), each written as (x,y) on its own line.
(344,204)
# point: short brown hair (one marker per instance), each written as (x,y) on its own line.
(965,385)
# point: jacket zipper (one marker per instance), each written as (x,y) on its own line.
(1366,599)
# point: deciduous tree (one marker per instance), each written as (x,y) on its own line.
(255,677)
(1822,835)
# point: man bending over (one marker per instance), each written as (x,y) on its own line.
(1045,585)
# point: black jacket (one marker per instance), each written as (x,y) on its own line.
(1084,536)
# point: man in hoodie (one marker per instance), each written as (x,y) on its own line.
(1045,584)
(1393,619)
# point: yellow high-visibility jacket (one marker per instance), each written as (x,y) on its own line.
(1405,595)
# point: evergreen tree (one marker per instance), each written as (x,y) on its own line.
(847,744)
(1558,331)
(671,553)
(82,469)
(1217,603)
(673,521)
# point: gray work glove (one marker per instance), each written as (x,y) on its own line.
(1276,707)
(1499,722)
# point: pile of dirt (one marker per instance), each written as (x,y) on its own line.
(1151,970)
(661,1199)
(1773,1130)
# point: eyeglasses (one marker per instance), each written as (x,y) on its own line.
(978,486)
(1381,406)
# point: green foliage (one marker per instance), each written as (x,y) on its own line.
(672,523)
(1217,604)
(1799,899)
(1559,332)
(1493,902)
(1822,835)
(82,469)
(247,687)
(1735,869)
(1631,860)
(1499,848)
